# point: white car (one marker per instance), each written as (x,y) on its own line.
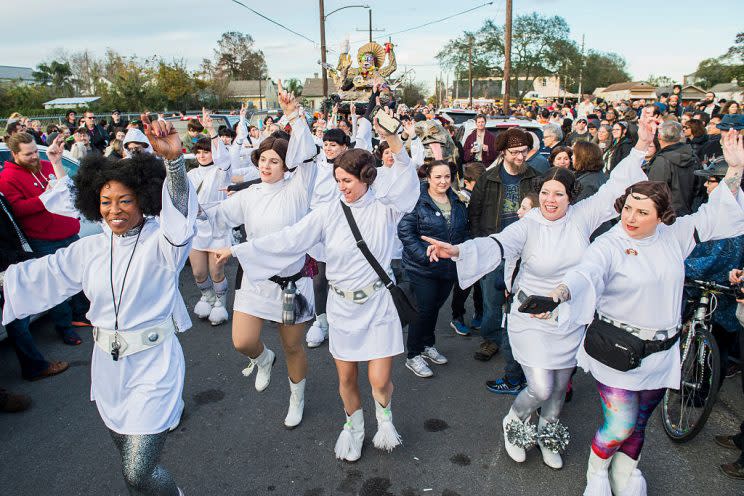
(71,165)
(497,125)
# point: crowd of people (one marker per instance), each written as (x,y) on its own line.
(605,211)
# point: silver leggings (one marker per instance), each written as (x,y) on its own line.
(140,456)
(546,389)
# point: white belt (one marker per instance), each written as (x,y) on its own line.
(131,342)
(642,332)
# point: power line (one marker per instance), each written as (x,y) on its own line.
(437,20)
(275,22)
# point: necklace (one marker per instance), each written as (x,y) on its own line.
(116,346)
(39,181)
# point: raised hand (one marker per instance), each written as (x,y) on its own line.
(287,101)
(439,249)
(55,151)
(207,121)
(733,149)
(163,137)
(243,111)
(647,126)
(409,127)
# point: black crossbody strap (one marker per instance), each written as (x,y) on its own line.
(384,277)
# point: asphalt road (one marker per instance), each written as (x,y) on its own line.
(232,440)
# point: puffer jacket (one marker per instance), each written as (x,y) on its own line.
(676,165)
(427,220)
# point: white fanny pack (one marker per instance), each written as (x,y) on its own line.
(120,344)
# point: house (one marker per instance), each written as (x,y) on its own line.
(632,90)
(258,93)
(729,91)
(540,88)
(312,91)
(690,93)
(9,74)
(71,103)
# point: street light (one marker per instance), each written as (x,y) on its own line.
(323,18)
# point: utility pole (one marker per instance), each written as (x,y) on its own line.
(323,50)
(470,69)
(507,57)
(370,29)
(581,69)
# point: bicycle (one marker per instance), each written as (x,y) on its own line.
(685,410)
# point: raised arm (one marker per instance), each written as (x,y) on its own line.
(397,186)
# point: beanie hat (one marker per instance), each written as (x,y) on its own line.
(512,138)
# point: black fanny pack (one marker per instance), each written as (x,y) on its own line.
(618,348)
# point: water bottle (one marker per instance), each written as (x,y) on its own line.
(288,303)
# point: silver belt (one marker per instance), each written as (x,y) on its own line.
(131,342)
(641,332)
(359,296)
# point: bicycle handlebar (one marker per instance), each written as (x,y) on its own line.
(710,286)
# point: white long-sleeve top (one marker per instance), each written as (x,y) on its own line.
(267,208)
(139,393)
(640,282)
(325,191)
(358,332)
(209,182)
(548,249)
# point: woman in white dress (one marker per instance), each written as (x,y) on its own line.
(550,240)
(265,208)
(209,180)
(633,278)
(130,275)
(363,322)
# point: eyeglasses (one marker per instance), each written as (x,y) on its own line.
(712,179)
(518,152)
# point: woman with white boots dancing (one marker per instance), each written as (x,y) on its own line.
(363,323)
(210,180)
(285,296)
(549,240)
(629,289)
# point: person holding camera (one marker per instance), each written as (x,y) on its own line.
(629,289)
(480,145)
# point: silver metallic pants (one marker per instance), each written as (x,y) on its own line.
(140,456)
(546,389)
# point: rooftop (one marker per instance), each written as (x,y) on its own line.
(630,85)
(314,87)
(248,87)
(72,101)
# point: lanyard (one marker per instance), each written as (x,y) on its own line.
(41,185)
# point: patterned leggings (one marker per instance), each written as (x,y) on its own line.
(626,414)
(140,457)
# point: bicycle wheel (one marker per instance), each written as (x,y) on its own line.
(685,411)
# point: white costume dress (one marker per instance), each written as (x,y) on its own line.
(548,249)
(357,332)
(208,181)
(640,281)
(139,393)
(325,191)
(265,209)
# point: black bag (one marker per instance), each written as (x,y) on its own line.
(407,311)
(618,348)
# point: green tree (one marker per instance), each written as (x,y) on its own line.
(55,74)
(659,81)
(176,85)
(412,92)
(602,69)
(725,68)
(237,58)
(293,85)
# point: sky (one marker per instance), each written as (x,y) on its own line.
(654,37)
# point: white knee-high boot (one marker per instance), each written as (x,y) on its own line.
(219,314)
(625,478)
(203,307)
(597,478)
(387,437)
(519,436)
(296,404)
(351,439)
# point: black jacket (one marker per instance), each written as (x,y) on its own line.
(620,151)
(711,150)
(427,220)
(484,210)
(11,247)
(676,165)
(98,138)
(698,145)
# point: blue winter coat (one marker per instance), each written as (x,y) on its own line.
(427,220)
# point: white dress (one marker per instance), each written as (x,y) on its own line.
(265,209)
(325,191)
(139,393)
(640,282)
(208,182)
(548,249)
(357,332)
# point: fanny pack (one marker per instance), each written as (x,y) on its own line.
(620,347)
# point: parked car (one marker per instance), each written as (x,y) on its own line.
(458,116)
(71,165)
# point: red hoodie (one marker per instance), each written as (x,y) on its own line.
(22,191)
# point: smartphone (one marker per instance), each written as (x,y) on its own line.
(538,304)
(387,122)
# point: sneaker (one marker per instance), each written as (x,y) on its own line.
(733,370)
(460,327)
(432,354)
(727,442)
(504,386)
(81,322)
(476,321)
(486,350)
(733,470)
(418,366)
